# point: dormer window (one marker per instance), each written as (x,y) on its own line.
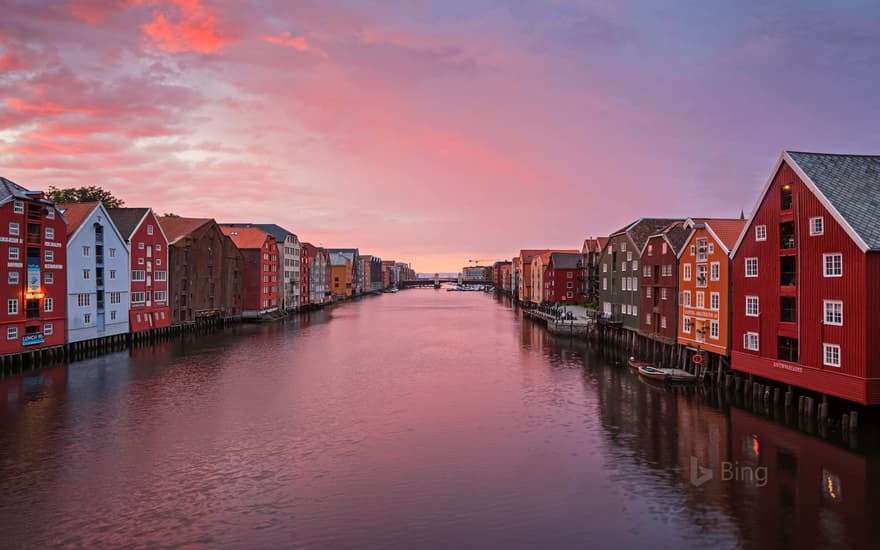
(785,203)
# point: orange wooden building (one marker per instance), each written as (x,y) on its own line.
(704,284)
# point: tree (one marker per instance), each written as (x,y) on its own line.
(170,215)
(83,194)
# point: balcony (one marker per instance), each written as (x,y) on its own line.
(788,271)
(786,235)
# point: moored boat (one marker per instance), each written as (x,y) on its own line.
(637,364)
(673,376)
(652,373)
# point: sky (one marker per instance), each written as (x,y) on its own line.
(432,131)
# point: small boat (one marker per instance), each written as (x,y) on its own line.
(672,376)
(638,364)
(652,373)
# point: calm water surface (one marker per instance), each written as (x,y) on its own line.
(423,419)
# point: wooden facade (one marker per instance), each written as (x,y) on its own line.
(659,287)
(261,280)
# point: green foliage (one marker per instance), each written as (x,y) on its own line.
(83,194)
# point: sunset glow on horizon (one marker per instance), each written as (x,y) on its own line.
(432,132)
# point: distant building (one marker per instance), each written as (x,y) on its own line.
(33,239)
(589,279)
(659,288)
(371,270)
(353,256)
(341,271)
(97,273)
(319,271)
(289,257)
(561,283)
(148,260)
(260,254)
(204,270)
(477,273)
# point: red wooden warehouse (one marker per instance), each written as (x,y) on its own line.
(33,241)
(659,290)
(148,251)
(561,283)
(260,278)
(806,277)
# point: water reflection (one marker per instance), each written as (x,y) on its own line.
(422,419)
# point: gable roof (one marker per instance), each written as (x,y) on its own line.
(639,230)
(246,237)
(76,213)
(725,230)
(277,232)
(175,228)
(565,260)
(127,219)
(337,259)
(676,234)
(848,186)
(10,190)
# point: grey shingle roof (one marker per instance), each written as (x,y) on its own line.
(562,260)
(642,228)
(851,183)
(127,219)
(10,189)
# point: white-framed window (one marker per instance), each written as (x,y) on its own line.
(646,271)
(604,283)
(48,329)
(833,312)
(714,330)
(140,261)
(83,300)
(87,318)
(149,229)
(817,226)
(12,278)
(138,275)
(623,266)
(604,268)
(693,250)
(662,321)
(623,247)
(833,264)
(112,274)
(635,284)
(635,266)
(760,232)
(686,272)
(711,248)
(701,299)
(50,233)
(86,251)
(113,315)
(752,306)
(610,248)
(161,296)
(138,297)
(635,310)
(650,253)
(648,292)
(686,325)
(87,274)
(702,276)
(647,318)
(17,207)
(831,355)
(48,305)
(686,298)
(140,245)
(751,341)
(13,253)
(112,252)
(14,229)
(12,306)
(11,333)
(715,271)
(50,215)
(629,256)
(751,267)
(48,278)
(663,293)
(115,297)
(714,301)
(158,248)
(48,256)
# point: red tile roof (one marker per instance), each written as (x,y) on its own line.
(76,213)
(728,230)
(175,228)
(246,237)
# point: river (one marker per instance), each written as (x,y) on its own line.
(423,419)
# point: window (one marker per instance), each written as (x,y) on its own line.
(686,325)
(714,301)
(113,315)
(12,278)
(83,300)
(833,312)
(693,250)
(17,207)
(604,268)
(13,253)
(714,330)
(702,250)
(623,247)
(112,274)
(112,252)
(650,253)
(49,278)
(686,298)
(635,266)
(788,309)
(751,267)
(138,297)
(115,297)
(13,229)
(12,306)
(140,261)
(647,292)
(570,275)
(48,329)
(158,248)
(635,310)
(623,266)
(833,265)
(831,355)
(646,271)
(50,215)
(49,256)
(140,246)
(87,274)
(715,271)
(634,284)
(752,306)
(85,251)
(569,284)
(11,333)
(159,275)
(138,275)
(701,300)
(150,229)
(702,279)
(648,319)
(665,248)
(788,270)
(49,305)
(817,226)
(629,256)
(663,321)
(604,283)
(87,318)
(760,232)
(686,272)
(50,233)
(785,197)
(160,296)
(750,341)
(663,293)
(787,349)
(567,295)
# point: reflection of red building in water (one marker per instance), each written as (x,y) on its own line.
(33,280)
(817,495)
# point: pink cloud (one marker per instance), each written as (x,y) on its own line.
(298,43)
(192,27)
